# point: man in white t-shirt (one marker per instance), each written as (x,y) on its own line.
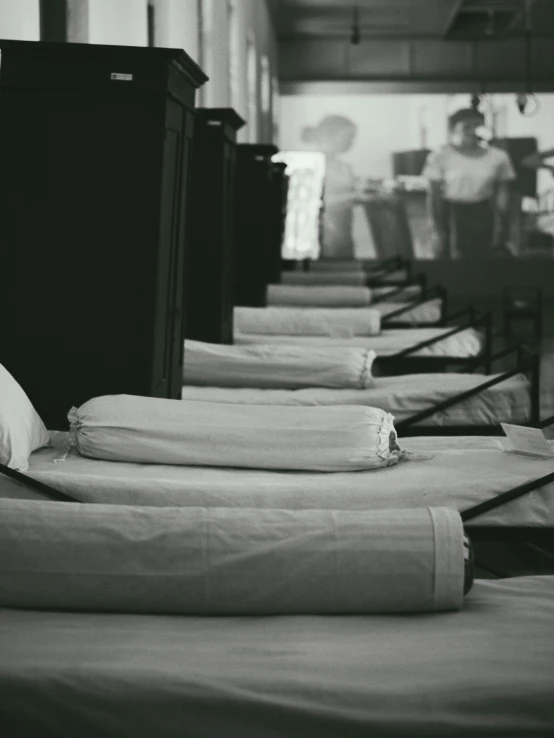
(469,192)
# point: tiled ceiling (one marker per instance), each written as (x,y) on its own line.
(412,18)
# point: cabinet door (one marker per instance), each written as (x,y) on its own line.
(168,331)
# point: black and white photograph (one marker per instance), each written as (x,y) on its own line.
(277,369)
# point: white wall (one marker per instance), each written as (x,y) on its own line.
(20,20)
(118,22)
(176,25)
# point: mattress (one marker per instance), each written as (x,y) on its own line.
(403,396)
(484,671)
(455,472)
(467,343)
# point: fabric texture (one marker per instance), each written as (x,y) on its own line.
(318,296)
(467,343)
(468,179)
(284,367)
(403,396)
(21,429)
(308,321)
(459,472)
(324,278)
(58,555)
(157,431)
(483,672)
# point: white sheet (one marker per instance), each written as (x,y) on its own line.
(462,472)
(467,343)
(402,396)
(427,312)
(318,296)
(484,672)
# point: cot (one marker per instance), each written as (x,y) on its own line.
(401,351)
(480,673)
(422,404)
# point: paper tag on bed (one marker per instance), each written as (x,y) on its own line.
(341,331)
(528,441)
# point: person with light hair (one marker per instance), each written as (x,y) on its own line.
(334,135)
(469,191)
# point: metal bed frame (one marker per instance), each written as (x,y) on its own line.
(537,543)
(526,363)
(404,362)
(433,293)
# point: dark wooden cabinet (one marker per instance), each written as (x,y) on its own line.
(95,149)
(253,222)
(279,193)
(211,270)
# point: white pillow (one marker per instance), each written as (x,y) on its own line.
(21,429)
(158,431)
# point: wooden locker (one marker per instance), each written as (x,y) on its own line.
(211,256)
(252,223)
(95,146)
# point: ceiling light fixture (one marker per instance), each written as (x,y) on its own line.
(356,36)
(524,98)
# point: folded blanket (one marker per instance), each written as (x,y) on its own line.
(308,321)
(158,431)
(397,294)
(323,278)
(218,561)
(284,367)
(318,296)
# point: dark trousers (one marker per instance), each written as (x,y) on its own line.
(470,229)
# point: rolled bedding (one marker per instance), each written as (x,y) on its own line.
(336,265)
(308,321)
(276,367)
(318,295)
(158,431)
(228,561)
(324,278)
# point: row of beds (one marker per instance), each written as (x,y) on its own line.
(486,670)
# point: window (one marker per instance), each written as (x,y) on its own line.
(252,89)
(205,46)
(234,54)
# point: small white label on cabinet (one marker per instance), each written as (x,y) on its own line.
(120,77)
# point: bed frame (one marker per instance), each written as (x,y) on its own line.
(526,362)
(535,545)
(394,318)
(404,362)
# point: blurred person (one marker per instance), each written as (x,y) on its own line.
(469,194)
(334,135)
